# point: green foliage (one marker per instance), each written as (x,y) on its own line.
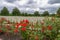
(31,14)
(46,29)
(4,12)
(22,14)
(52,14)
(36,13)
(58,12)
(16,12)
(45,13)
(26,14)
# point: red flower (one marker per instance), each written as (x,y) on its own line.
(23,29)
(49,27)
(16,31)
(3,18)
(36,38)
(24,24)
(17,26)
(21,24)
(0,30)
(43,28)
(26,21)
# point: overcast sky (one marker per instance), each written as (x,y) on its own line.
(31,5)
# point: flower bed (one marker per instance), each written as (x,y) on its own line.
(46,29)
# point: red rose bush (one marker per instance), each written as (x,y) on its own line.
(46,29)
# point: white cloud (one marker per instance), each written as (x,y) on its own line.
(21,2)
(30,5)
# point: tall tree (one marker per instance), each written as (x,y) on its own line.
(45,13)
(52,14)
(36,13)
(4,12)
(26,14)
(16,12)
(58,12)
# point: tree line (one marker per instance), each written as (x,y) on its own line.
(16,12)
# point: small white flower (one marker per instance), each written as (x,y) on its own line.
(29,27)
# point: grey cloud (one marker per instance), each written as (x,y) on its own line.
(49,9)
(52,9)
(32,5)
(53,1)
(42,8)
(11,1)
(31,2)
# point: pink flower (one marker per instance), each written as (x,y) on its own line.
(32,26)
(17,23)
(8,21)
(53,18)
(3,19)
(42,22)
